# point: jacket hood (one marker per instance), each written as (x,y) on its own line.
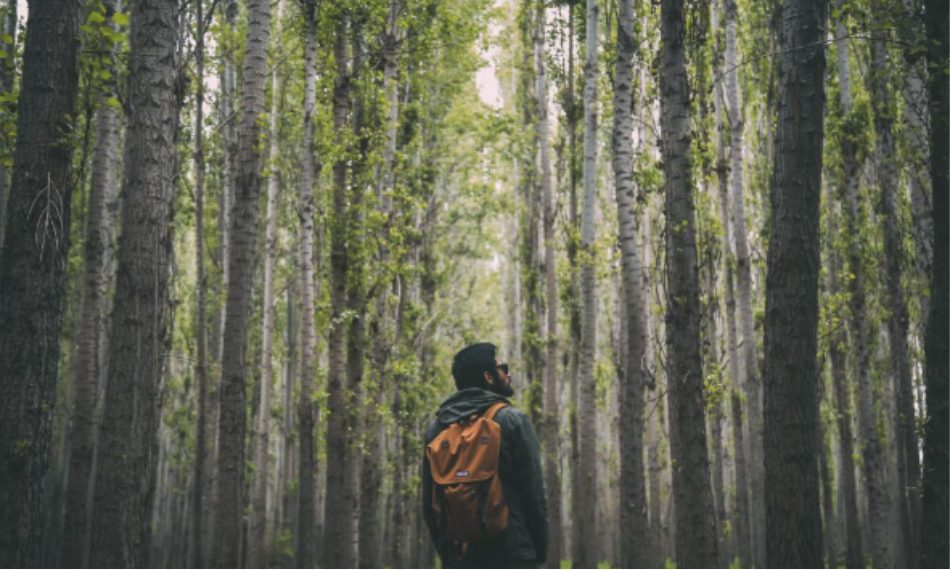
(465,403)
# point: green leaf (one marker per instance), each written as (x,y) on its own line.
(96,18)
(121,19)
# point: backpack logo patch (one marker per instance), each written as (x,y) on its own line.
(462,473)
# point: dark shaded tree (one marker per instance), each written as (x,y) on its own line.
(232,423)
(32,270)
(935,531)
(696,544)
(793,514)
(128,450)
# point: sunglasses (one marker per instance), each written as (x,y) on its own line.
(503,367)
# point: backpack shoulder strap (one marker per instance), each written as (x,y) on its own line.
(493,409)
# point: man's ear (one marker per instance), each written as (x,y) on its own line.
(489,379)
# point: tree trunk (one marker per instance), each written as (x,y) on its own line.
(740,518)
(549,382)
(88,365)
(356,308)
(935,550)
(586,516)
(633,515)
(793,513)
(908,462)
(693,508)
(573,307)
(827,501)
(257,542)
(304,551)
(848,491)
(242,260)
(226,122)
(32,271)
(915,128)
(372,508)
(201,366)
(7,80)
(872,449)
(139,336)
(338,551)
(744,282)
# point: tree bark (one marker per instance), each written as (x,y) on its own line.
(7,79)
(201,336)
(139,336)
(339,551)
(935,544)
(32,271)
(908,462)
(848,490)
(740,517)
(693,507)
(355,306)
(872,449)
(372,507)
(88,364)
(743,273)
(633,515)
(549,382)
(586,516)
(242,261)
(257,541)
(793,513)
(226,123)
(304,545)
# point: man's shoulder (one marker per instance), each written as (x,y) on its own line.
(511,417)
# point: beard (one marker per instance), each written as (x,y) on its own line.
(501,387)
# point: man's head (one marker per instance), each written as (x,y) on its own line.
(476,366)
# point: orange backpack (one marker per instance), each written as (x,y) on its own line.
(467,496)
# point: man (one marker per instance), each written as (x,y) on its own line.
(482,382)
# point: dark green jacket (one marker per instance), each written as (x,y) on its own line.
(526,538)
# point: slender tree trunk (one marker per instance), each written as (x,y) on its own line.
(848,491)
(372,508)
(338,553)
(715,414)
(914,92)
(229,120)
(102,195)
(549,382)
(633,515)
(793,513)
(257,542)
(744,281)
(304,551)
(908,462)
(7,79)
(740,518)
(140,332)
(693,507)
(32,271)
(872,449)
(201,366)
(242,261)
(227,123)
(573,305)
(586,517)
(827,500)
(355,306)
(935,544)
